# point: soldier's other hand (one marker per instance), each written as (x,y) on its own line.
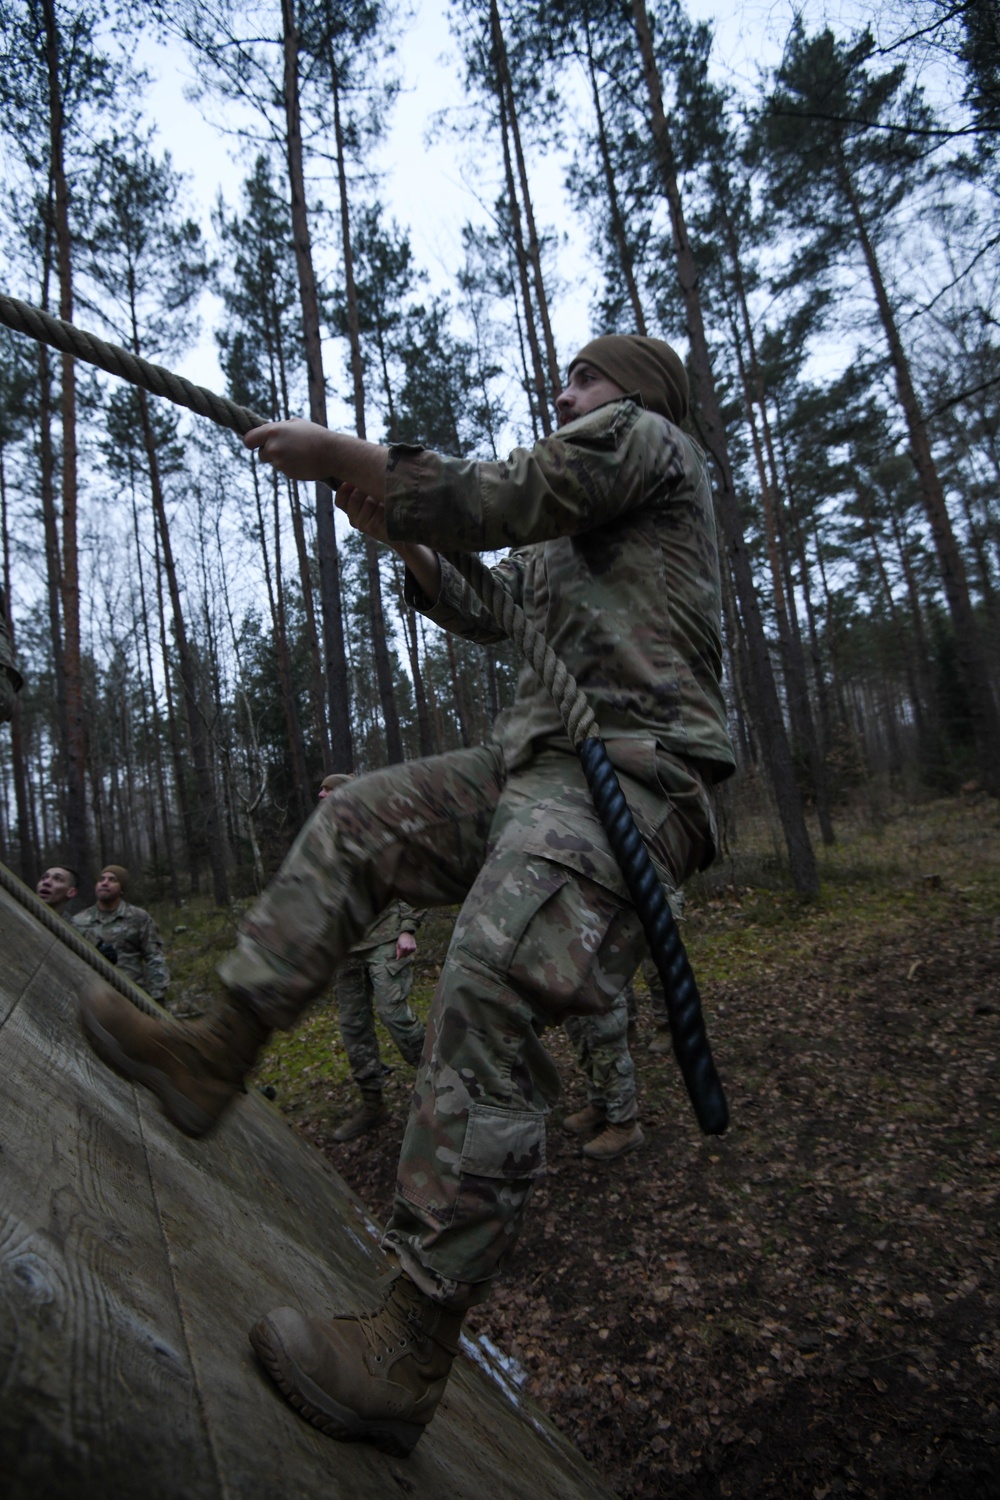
(364,513)
(300,449)
(406,945)
(107,950)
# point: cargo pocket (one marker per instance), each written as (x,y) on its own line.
(504,1143)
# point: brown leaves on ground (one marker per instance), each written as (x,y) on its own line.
(808,1306)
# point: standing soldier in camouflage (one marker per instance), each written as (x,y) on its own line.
(376,975)
(610,1117)
(615,562)
(11,680)
(128,931)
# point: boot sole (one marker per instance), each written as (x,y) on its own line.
(179,1109)
(398,1439)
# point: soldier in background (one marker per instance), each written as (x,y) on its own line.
(128,931)
(57,887)
(611,1115)
(376,975)
(11,680)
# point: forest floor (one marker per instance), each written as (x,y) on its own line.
(809,1305)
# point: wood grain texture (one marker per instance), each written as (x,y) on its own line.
(133,1262)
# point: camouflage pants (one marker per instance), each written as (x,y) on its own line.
(657,999)
(376,980)
(601,1044)
(545,932)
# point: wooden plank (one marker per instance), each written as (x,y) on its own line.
(276,1226)
(93,1367)
(132,1263)
(24,945)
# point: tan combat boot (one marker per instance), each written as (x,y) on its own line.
(377,1377)
(614,1140)
(195,1069)
(585,1121)
(371,1114)
(662,1043)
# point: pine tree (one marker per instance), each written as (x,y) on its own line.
(840,182)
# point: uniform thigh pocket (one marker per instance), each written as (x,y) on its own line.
(508,1143)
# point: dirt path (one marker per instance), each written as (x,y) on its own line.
(809,1306)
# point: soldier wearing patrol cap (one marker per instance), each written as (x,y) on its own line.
(125,934)
(614,560)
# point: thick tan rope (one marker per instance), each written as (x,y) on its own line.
(576,713)
(46,329)
(76,942)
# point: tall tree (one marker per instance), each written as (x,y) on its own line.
(149,261)
(713,431)
(55,82)
(840,183)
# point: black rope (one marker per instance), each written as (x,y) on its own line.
(687,1025)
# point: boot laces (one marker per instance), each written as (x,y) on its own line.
(387,1331)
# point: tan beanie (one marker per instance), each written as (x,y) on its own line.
(646,366)
(119,872)
(331,783)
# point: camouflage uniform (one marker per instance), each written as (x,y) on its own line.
(11,680)
(136,939)
(372,973)
(602,1052)
(602,1042)
(616,562)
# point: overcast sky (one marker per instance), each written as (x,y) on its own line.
(428,185)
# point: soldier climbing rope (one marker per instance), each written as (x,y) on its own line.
(690,1039)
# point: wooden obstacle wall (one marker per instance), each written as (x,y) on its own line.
(132,1263)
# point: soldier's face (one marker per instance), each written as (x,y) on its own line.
(56,886)
(108,889)
(585,390)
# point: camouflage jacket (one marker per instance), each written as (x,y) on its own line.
(614,560)
(10,678)
(396,918)
(136,938)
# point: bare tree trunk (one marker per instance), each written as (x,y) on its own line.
(379,642)
(520,250)
(905,655)
(28,861)
(209,832)
(768,710)
(968,640)
(76,753)
(276,607)
(625,258)
(533,246)
(337,680)
(461,713)
(50,519)
(280,377)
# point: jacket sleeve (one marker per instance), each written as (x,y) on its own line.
(573,481)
